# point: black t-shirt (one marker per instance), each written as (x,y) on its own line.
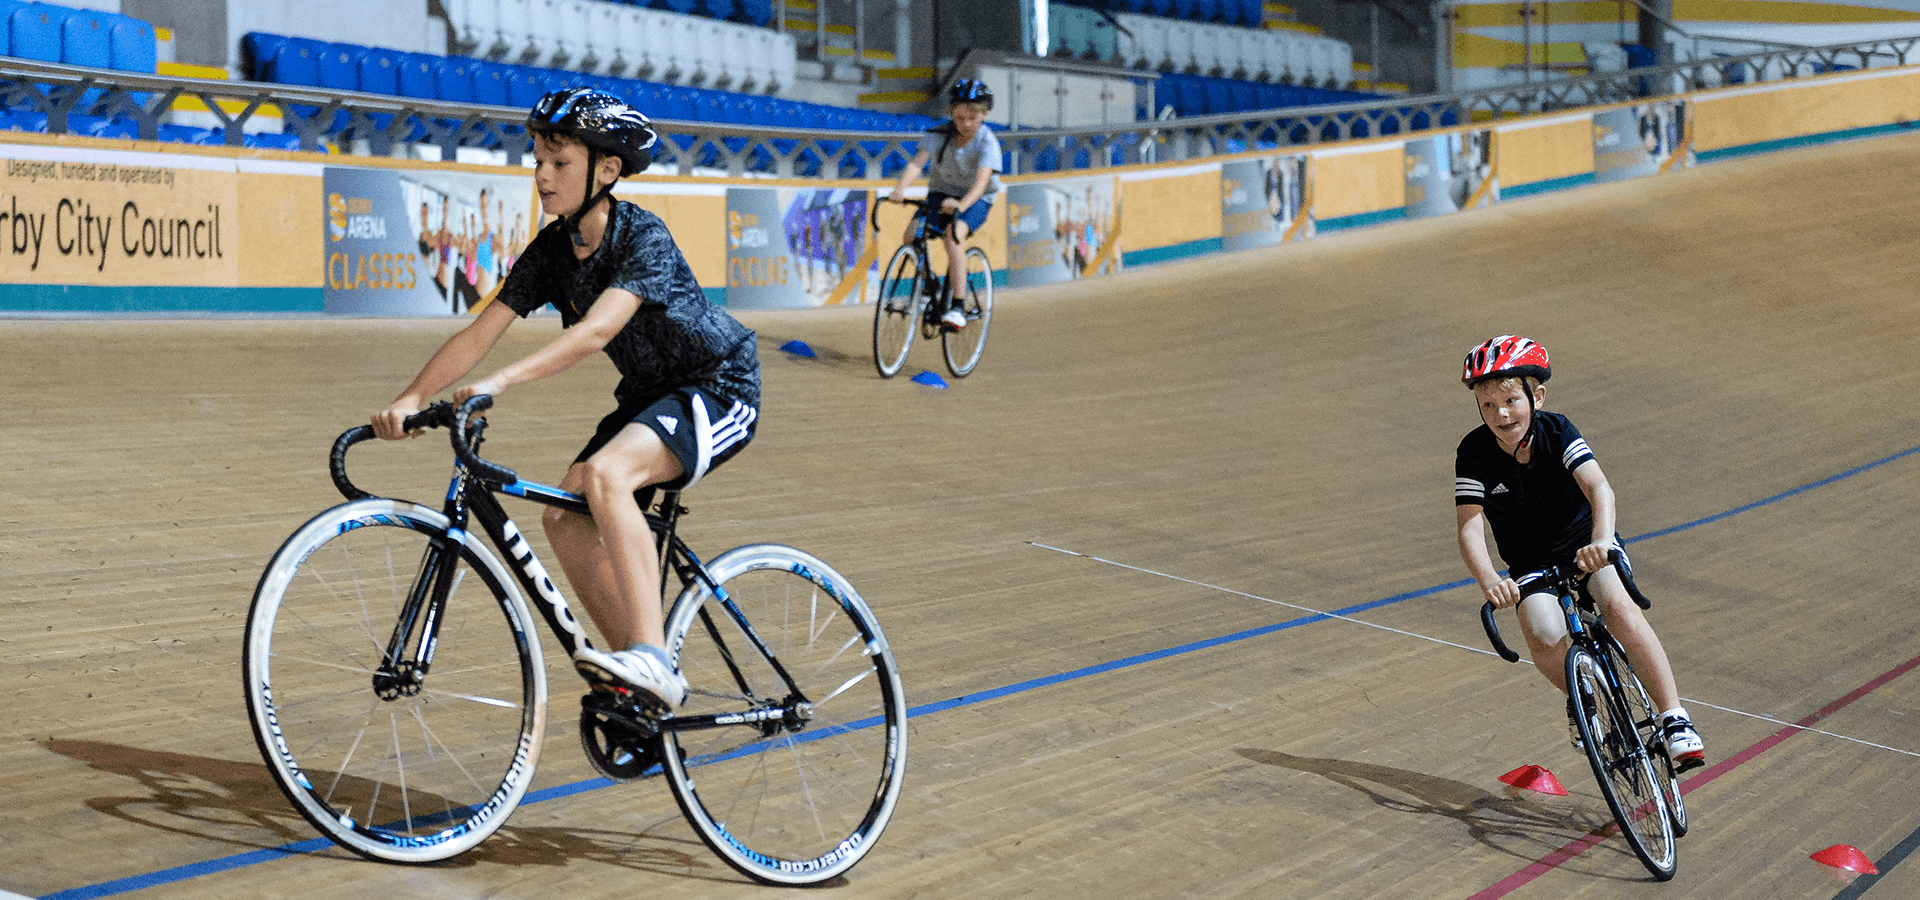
(676,339)
(1539,515)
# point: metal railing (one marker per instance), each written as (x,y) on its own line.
(374,124)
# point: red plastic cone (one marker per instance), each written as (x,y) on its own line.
(1841,856)
(1536,779)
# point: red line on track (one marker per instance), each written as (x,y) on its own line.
(1590,840)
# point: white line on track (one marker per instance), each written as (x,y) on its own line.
(1307,609)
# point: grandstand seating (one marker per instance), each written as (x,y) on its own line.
(702,43)
(1213,49)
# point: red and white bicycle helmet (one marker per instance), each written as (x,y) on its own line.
(1505,356)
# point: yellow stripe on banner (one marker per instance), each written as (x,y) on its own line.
(1785,12)
(1106,252)
(1493,172)
(1305,214)
(855,275)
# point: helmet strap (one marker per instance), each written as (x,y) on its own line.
(591,199)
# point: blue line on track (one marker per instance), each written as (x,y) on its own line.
(242,860)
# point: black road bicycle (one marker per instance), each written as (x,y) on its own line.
(912,300)
(1618,724)
(396,687)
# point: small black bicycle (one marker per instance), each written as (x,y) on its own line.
(912,299)
(396,687)
(1618,724)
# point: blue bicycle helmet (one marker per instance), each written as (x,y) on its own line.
(970,90)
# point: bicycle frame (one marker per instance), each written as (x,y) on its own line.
(470,496)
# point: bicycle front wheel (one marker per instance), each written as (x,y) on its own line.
(1621,764)
(963,347)
(1646,719)
(896,313)
(394,752)
(790,779)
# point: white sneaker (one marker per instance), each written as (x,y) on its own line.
(1684,745)
(955,317)
(633,669)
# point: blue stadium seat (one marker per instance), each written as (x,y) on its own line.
(453,79)
(297,61)
(33,32)
(257,49)
(339,66)
(1243,95)
(378,71)
(187,134)
(758,13)
(1206,10)
(84,38)
(417,75)
(683,7)
(493,83)
(716,9)
(1180,9)
(1219,98)
(526,85)
(133,47)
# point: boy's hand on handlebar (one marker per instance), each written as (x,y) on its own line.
(893,197)
(1594,557)
(389,424)
(1503,593)
(484,386)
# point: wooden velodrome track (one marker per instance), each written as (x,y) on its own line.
(1098,561)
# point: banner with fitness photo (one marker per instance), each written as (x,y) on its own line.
(1062,230)
(797,247)
(420,242)
(1264,202)
(1448,173)
(1640,140)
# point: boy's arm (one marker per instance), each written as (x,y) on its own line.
(454,359)
(1594,556)
(908,174)
(980,182)
(609,314)
(1501,591)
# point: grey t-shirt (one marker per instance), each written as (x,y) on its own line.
(952,167)
(676,339)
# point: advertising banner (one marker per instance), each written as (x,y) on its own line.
(794,247)
(111,218)
(1062,230)
(420,242)
(1264,201)
(1640,140)
(1450,172)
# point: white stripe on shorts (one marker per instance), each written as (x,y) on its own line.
(713,436)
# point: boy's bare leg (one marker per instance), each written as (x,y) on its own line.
(610,558)
(1636,636)
(1545,629)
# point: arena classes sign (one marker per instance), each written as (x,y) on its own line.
(116,223)
(419,242)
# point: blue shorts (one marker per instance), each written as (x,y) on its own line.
(700,429)
(937,220)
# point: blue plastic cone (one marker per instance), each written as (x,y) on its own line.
(798,348)
(930,380)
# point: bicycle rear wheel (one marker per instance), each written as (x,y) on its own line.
(963,347)
(788,789)
(1621,764)
(896,312)
(390,758)
(1647,719)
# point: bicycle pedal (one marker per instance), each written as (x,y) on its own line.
(1689,762)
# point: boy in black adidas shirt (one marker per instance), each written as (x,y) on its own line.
(1530,475)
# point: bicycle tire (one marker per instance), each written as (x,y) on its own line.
(434,769)
(785,805)
(1646,717)
(896,312)
(963,347)
(1621,764)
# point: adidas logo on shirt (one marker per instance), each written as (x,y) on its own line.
(1497,489)
(669,422)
